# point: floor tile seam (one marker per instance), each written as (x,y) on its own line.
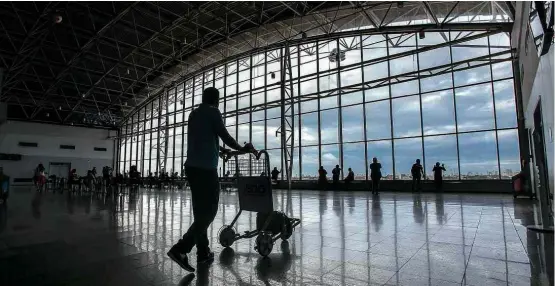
(518,234)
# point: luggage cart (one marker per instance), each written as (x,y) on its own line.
(255,195)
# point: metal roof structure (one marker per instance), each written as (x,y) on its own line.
(92,63)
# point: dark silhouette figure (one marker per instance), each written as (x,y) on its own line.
(322,177)
(335,175)
(417,172)
(106,175)
(375,175)
(275,174)
(349,179)
(438,175)
(205,126)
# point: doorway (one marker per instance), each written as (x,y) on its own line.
(60,170)
(540,169)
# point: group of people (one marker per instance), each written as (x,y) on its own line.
(417,172)
(90,180)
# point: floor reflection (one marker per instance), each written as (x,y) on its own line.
(346,238)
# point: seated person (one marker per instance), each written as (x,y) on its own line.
(275,174)
(350,176)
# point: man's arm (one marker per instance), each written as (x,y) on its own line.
(223,134)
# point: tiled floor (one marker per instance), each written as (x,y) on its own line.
(348,238)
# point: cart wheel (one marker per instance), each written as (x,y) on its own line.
(264,244)
(286,229)
(227,236)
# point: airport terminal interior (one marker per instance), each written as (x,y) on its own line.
(276,143)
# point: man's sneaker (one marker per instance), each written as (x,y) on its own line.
(205,259)
(180,259)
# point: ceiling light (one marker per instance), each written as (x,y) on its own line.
(83,95)
(303,35)
(273,75)
(59,108)
(127,71)
(421,35)
(47,114)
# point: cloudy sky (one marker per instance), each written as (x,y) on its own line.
(392,111)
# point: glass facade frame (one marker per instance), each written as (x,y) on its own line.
(398,92)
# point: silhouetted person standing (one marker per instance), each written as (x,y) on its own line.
(417,172)
(322,177)
(375,175)
(335,175)
(275,174)
(205,126)
(438,175)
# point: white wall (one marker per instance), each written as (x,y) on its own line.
(49,138)
(543,89)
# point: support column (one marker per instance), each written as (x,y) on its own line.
(287,114)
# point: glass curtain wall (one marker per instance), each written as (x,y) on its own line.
(443,97)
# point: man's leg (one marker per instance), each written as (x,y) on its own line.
(179,251)
(211,196)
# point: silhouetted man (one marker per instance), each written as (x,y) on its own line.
(205,126)
(416,172)
(335,175)
(438,175)
(275,174)
(375,175)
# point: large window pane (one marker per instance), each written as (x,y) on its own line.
(404,88)
(352,98)
(436,82)
(310,163)
(474,107)
(406,116)
(376,71)
(406,153)
(329,127)
(470,76)
(378,123)
(330,157)
(309,129)
(382,151)
(442,149)
(505,108)
(272,140)
(353,123)
(469,49)
(257,129)
(478,156)
(351,77)
(434,58)
(275,160)
(438,112)
(353,158)
(509,154)
(376,93)
(502,70)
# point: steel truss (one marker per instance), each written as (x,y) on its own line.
(287,113)
(152,45)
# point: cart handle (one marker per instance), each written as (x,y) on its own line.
(257,154)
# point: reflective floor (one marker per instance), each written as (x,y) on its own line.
(348,238)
